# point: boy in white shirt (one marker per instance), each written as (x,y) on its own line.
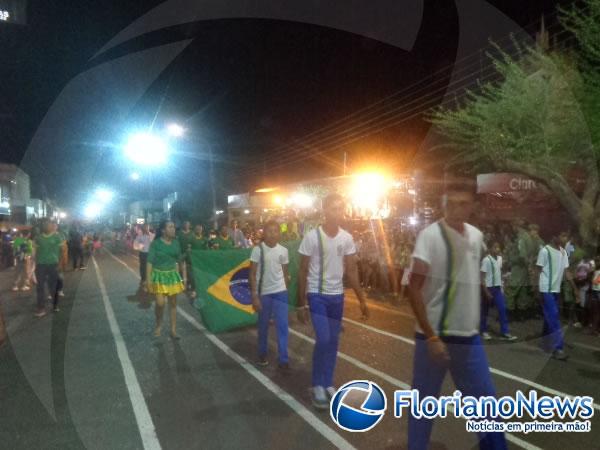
(445,295)
(491,280)
(326,254)
(552,263)
(269,280)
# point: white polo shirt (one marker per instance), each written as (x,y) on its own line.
(553,263)
(326,267)
(452,289)
(272,272)
(492,267)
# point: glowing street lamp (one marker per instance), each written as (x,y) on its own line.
(104,195)
(135,176)
(62,215)
(175,130)
(147,149)
(92,210)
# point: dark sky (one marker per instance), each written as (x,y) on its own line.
(251,89)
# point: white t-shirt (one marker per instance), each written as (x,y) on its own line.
(553,263)
(452,289)
(272,275)
(492,267)
(326,267)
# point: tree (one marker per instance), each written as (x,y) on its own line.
(540,119)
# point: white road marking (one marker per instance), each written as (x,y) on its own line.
(294,404)
(493,370)
(402,385)
(393,381)
(140,408)
(327,432)
(586,346)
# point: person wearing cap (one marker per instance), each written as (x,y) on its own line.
(445,295)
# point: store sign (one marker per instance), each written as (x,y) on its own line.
(490,183)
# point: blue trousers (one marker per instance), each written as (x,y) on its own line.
(471,374)
(277,305)
(326,313)
(553,338)
(500,302)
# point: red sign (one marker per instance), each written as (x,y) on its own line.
(492,183)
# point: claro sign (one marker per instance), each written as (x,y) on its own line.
(489,183)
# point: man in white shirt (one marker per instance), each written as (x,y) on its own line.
(552,263)
(491,279)
(269,280)
(326,254)
(142,245)
(445,295)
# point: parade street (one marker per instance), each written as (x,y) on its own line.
(93,376)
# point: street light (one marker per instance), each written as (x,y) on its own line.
(92,210)
(135,176)
(104,195)
(62,215)
(175,130)
(147,149)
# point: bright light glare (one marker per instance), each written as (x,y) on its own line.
(62,215)
(413,220)
(104,195)
(246,211)
(368,190)
(147,149)
(278,200)
(175,130)
(135,176)
(92,210)
(302,200)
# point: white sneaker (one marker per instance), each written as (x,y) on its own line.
(330,392)
(486,336)
(15,288)
(25,288)
(508,337)
(577,325)
(319,398)
(61,293)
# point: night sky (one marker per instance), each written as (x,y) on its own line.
(250,89)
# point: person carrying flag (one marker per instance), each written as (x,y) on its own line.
(327,253)
(269,280)
(445,296)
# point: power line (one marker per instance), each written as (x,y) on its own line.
(340,123)
(391,121)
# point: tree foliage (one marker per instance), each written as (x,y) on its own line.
(540,119)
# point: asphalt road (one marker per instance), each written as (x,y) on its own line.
(92,376)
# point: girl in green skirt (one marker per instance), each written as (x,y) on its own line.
(165,259)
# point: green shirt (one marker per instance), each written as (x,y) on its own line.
(164,256)
(185,239)
(19,241)
(224,244)
(199,243)
(48,248)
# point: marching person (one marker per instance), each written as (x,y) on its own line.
(47,249)
(552,264)
(22,250)
(269,281)
(198,242)
(142,245)
(185,237)
(327,253)
(165,260)
(445,295)
(491,280)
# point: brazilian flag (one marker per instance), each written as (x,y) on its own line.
(224,297)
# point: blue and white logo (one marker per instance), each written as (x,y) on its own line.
(358,406)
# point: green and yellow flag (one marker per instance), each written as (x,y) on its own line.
(224,298)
